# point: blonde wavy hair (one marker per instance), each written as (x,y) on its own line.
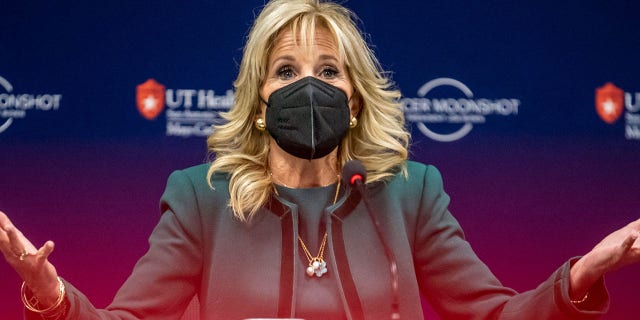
(380,141)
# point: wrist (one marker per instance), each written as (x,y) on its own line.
(44,304)
(582,278)
(46,294)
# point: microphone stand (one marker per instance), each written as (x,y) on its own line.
(356,179)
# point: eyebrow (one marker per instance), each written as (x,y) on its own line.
(290,58)
(285,58)
(329,57)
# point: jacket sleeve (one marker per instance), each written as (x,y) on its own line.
(165,279)
(459,285)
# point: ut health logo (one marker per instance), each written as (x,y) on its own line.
(609,102)
(613,102)
(15,106)
(446,109)
(190,112)
(150,99)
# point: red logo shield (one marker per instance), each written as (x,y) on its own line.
(150,99)
(609,102)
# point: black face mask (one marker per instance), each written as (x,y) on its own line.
(308,118)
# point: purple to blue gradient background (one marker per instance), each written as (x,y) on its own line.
(530,191)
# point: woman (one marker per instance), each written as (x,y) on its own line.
(271,229)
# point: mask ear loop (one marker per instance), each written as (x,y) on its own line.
(263,100)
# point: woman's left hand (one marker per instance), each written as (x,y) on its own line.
(615,251)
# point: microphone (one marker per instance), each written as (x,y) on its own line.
(355,175)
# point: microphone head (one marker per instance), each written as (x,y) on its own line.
(353,171)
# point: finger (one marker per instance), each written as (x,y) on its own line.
(635,225)
(13,243)
(636,244)
(19,242)
(5,242)
(4,221)
(44,251)
(3,216)
(4,238)
(629,241)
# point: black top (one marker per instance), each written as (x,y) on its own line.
(318,297)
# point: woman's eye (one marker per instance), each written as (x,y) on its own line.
(329,73)
(285,73)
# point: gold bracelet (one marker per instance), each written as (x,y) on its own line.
(32,304)
(57,314)
(586,295)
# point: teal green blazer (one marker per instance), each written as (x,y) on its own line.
(242,270)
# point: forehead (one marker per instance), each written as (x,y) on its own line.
(318,41)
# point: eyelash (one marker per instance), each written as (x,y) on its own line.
(285,72)
(334,71)
(285,69)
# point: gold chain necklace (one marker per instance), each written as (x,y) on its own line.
(317,265)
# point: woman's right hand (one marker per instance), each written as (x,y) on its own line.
(30,263)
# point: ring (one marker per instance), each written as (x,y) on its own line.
(23,255)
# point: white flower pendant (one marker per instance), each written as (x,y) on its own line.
(317,267)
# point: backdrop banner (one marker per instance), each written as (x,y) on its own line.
(531,111)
